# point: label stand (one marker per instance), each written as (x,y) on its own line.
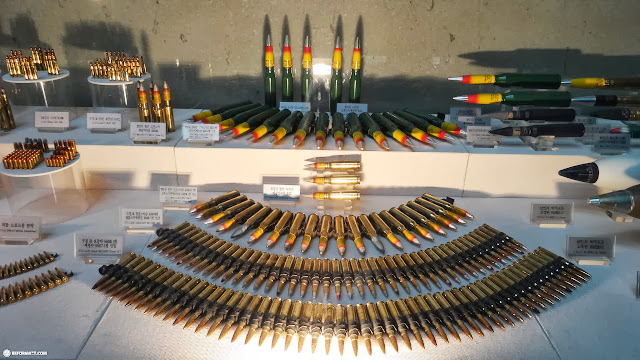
(52,129)
(200,142)
(141,221)
(540,143)
(554,216)
(591,250)
(146,141)
(99,249)
(176,206)
(103,131)
(612,144)
(618,217)
(16,241)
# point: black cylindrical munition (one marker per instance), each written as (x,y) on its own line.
(316,325)
(374,130)
(325,276)
(452,314)
(267,221)
(401,272)
(389,128)
(256,268)
(306,124)
(434,318)
(304,323)
(239,264)
(309,231)
(220,111)
(287,126)
(421,219)
(315,277)
(321,127)
(389,326)
(117,272)
(447,206)
(347,276)
(295,274)
(544,282)
(264,271)
(285,273)
(255,120)
(220,207)
(338,165)
(557,130)
(292,322)
(338,129)
(268,319)
(339,233)
(224,310)
(365,326)
(391,279)
(242,217)
(383,228)
(245,316)
(396,225)
(256,318)
(305,275)
(253,221)
(281,225)
(352,326)
(414,268)
(369,276)
(440,210)
(490,307)
(280,322)
(274,272)
(242,116)
(325,229)
(376,325)
(195,302)
(336,276)
(411,321)
(358,276)
(294,230)
(409,128)
(163,234)
(410,223)
(610,100)
(355,130)
(430,215)
(354,233)
(231,211)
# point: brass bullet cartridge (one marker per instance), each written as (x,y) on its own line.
(483,255)
(165,292)
(295,273)
(309,231)
(194,248)
(114,280)
(245,316)
(340,327)
(410,223)
(336,276)
(54,277)
(325,276)
(347,276)
(368,276)
(48,281)
(221,207)
(401,267)
(430,215)
(354,232)
(379,276)
(235,312)
(258,316)
(348,165)
(365,326)
(167,110)
(182,301)
(265,224)
(340,195)
(4,296)
(328,325)
(410,319)
(358,276)
(208,256)
(285,273)
(195,302)
(438,265)
(243,217)
(401,321)
(335,179)
(491,288)
(257,218)
(228,261)
(280,321)
(450,261)
(325,228)
(35,289)
(390,276)
(210,309)
(18,291)
(447,206)
(399,228)
(107,271)
(231,211)
(457,257)
(274,272)
(371,232)
(316,325)
(237,264)
(353,327)
(467,255)
(175,295)
(430,314)
(222,312)
(264,271)
(223,256)
(547,284)
(246,266)
(440,211)
(294,230)
(382,227)
(489,307)
(26,289)
(315,277)
(471,309)
(386,320)
(292,322)
(304,323)
(153,289)
(305,275)
(280,226)
(11,296)
(527,287)
(215,201)
(452,314)
(262,260)
(482,291)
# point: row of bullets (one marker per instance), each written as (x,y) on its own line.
(7,122)
(245,116)
(27,264)
(23,159)
(63,152)
(33,286)
(19,65)
(426,212)
(32,144)
(346,175)
(201,252)
(157,111)
(534,282)
(30,154)
(117,66)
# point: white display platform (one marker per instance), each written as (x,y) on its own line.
(73,321)
(43,76)
(106,82)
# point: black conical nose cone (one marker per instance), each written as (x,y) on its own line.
(587,173)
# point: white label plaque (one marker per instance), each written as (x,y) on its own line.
(106,121)
(141,218)
(148,131)
(591,250)
(178,194)
(552,215)
(91,244)
(480,136)
(303,107)
(20,227)
(347,108)
(201,132)
(51,119)
(456,112)
(281,188)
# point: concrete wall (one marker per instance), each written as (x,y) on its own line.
(211,52)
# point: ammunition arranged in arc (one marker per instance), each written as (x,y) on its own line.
(33,286)
(26,264)
(532,283)
(471,255)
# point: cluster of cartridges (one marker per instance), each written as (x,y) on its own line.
(30,154)
(117,66)
(483,248)
(19,65)
(33,286)
(426,212)
(245,116)
(7,122)
(157,111)
(534,282)
(345,173)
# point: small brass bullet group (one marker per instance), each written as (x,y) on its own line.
(26,264)
(32,286)
(117,66)
(19,65)
(29,154)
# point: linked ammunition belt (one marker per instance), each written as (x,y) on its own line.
(27,264)
(532,283)
(33,286)
(484,248)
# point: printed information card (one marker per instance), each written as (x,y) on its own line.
(303,107)
(19,228)
(104,121)
(281,188)
(51,119)
(148,131)
(591,250)
(90,245)
(552,215)
(178,194)
(199,132)
(141,218)
(347,108)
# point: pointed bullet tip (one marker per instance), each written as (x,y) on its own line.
(455,78)
(461,98)
(595,201)
(385,145)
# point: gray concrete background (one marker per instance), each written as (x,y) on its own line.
(211,52)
